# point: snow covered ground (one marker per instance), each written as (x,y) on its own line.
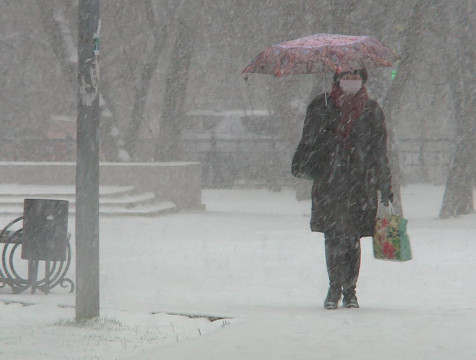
(251,260)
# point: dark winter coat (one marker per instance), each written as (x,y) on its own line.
(346,176)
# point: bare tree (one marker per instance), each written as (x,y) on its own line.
(412,41)
(60,38)
(340,11)
(173,109)
(159,29)
(458,197)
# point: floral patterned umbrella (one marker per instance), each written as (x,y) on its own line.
(320,53)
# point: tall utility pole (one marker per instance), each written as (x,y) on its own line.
(87,163)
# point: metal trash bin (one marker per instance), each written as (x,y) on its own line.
(45,230)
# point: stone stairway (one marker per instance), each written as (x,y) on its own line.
(113,200)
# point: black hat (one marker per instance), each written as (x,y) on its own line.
(362,72)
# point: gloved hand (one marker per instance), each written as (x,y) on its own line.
(387,197)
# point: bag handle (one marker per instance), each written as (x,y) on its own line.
(385,211)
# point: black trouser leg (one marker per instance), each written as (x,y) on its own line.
(334,260)
(352,268)
(343,260)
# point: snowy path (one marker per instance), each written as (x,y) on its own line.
(272,279)
(251,258)
(309,333)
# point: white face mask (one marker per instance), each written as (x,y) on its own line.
(351,86)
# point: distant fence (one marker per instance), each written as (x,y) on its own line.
(267,162)
(241,162)
(38,149)
(255,161)
(425,160)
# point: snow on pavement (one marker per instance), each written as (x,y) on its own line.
(251,259)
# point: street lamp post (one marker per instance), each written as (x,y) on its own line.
(87,163)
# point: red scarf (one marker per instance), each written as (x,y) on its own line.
(351,108)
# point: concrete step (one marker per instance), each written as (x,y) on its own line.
(157,208)
(113,201)
(127,200)
(56,191)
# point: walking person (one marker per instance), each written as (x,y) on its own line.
(343,149)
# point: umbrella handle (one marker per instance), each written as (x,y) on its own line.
(325,88)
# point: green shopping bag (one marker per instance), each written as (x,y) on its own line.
(390,240)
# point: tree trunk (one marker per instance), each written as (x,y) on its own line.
(340,9)
(169,145)
(149,69)
(458,197)
(413,37)
(64,48)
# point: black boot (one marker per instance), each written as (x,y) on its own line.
(350,299)
(334,270)
(352,258)
(332,298)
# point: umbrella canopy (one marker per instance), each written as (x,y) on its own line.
(322,52)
